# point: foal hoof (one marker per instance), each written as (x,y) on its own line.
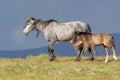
(91,59)
(106,61)
(115,58)
(77,59)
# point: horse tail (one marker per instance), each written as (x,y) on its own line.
(89,29)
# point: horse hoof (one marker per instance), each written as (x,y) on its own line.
(51,59)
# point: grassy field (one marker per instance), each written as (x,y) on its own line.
(63,68)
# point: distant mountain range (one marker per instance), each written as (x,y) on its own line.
(61,49)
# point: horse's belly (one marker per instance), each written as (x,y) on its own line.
(64,34)
(64,37)
(61,33)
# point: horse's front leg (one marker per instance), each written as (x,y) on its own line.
(51,50)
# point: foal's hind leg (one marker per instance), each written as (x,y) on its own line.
(90,53)
(107,54)
(113,48)
(114,53)
(79,53)
(51,50)
(95,52)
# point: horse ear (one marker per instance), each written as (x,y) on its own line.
(30,18)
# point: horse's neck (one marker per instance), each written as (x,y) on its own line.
(39,28)
(43,29)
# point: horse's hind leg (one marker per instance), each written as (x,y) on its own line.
(51,50)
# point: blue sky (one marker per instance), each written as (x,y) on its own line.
(102,15)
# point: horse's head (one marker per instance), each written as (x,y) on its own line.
(29,26)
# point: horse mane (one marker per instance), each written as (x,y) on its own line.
(43,23)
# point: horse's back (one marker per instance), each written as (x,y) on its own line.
(79,26)
(65,31)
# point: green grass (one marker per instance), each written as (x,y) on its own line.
(63,68)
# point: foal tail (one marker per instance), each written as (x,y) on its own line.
(113,48)
(78,44)
(112,41)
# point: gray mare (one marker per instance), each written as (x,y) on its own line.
(55,31)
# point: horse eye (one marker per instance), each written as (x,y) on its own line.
(28,23)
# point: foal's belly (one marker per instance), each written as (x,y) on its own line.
(97,39)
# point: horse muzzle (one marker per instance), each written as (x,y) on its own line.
(25,34)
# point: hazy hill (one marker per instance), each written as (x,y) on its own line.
(62,49)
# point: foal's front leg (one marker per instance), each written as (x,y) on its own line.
(51,50)
(79,53)
(91,55)
(95,52)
